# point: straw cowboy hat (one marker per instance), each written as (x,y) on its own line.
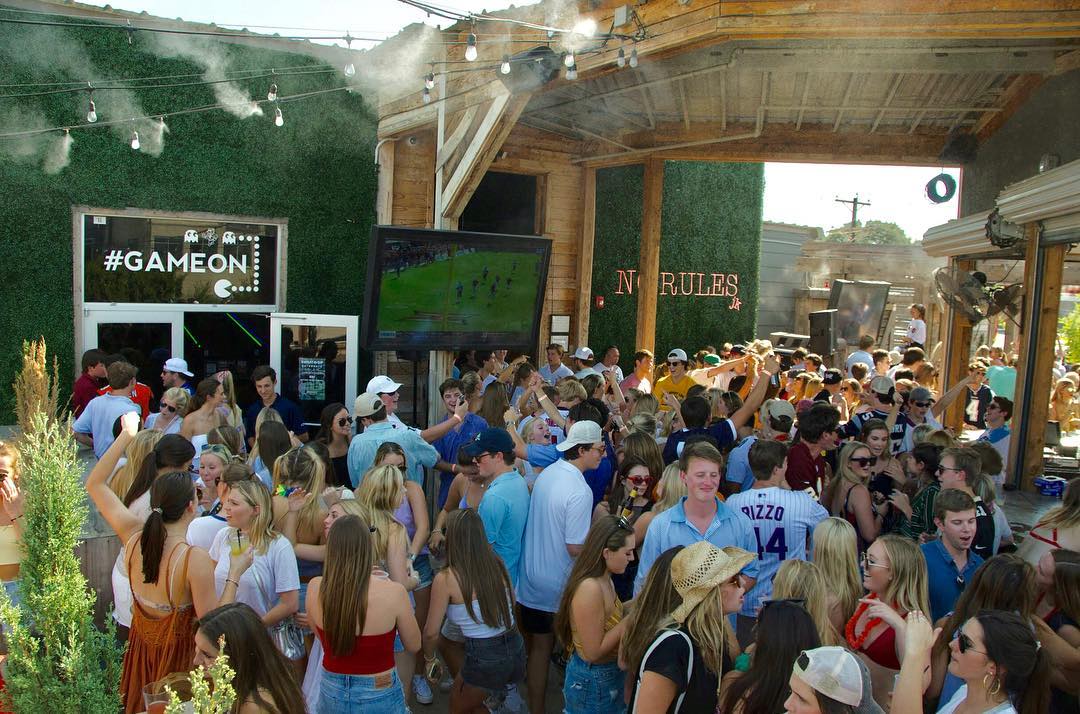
(700,568)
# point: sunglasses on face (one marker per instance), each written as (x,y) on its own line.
(923,405)
(344,421)
(964,643)
(393,394)
(943,469)
(863,461)
(168,407)
(867,563)
(637,479)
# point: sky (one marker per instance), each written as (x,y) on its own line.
(794,193)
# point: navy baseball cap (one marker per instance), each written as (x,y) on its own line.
(491,440)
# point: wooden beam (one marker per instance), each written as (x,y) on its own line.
(486,142)
(384,198)
(454,140)
(957,352)
(684,103)
(649,263)
(1016,94)
(888,100)
(1044,271)
(585,256)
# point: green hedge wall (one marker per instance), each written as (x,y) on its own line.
(711,224)
(617,246)
(317,171)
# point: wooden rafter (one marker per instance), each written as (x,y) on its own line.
(888,100)
(1018,92)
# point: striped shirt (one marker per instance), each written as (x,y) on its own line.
(783,525)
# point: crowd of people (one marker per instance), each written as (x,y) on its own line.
(713,533)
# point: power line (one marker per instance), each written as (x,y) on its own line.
(165,115)
(83,82)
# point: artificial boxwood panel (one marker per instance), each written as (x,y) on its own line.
(617,246)
(710,230)
(317,171)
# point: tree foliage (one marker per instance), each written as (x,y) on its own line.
(58,660)
(1069,332)
(872,232)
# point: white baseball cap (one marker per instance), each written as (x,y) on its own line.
(367,404)
(832,671)
(583,353)
(381,384)
(175,364)
(582,432)
(678,354)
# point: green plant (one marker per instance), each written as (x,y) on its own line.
(57,660)
(1069,332)
(211,688)
(35,391)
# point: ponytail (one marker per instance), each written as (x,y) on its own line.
(171,452)
(1012,645)
(170,496)
(1035,697)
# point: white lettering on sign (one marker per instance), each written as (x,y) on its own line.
(689,284)
(133,261)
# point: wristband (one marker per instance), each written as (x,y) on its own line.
(453,468)
(455,416)
(229,580)
(542,397)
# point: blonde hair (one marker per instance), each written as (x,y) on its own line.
(836,554)
(645,423)
(261,533)
(709,629)
(671,488)
(803,580)
(844,459)
(140,447)
(233,415)
(302,467)
(1067,515)
(571,389)
(8,451)
(180,397)
(265,414)
(645,404)
(909,588)
(941,439)
(379,495)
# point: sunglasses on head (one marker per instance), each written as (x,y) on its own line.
(621,522)
(863,461)
(344,420)
(797,601)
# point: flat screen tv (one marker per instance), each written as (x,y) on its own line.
(859,305)
(429,289)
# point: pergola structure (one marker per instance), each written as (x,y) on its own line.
(873,81)
(1047,209)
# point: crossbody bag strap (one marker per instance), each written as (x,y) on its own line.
(689,665)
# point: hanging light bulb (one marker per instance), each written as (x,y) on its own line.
(350,70)
(91,114)
(633,57)
(135,140)
(427,96)
(571,72)
(470,48)
(271,95)
(568,60)
(505,66)
(429,81)
(278,119)
(621,59)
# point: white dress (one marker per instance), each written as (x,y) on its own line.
(950,706)
(120,584)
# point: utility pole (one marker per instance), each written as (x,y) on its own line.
(855,203)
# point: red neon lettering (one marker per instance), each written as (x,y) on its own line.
(682,284)
(667,280)
(626,278)
(717,285)
(733,285)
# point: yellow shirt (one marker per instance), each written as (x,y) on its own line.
(669,386)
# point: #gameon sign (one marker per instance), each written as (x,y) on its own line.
(137,261)
(689,284)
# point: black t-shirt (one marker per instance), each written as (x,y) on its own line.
(669,656)
(983,544)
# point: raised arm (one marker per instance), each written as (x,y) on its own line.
(116,514)
(521,449)
(438,431)
(550,409)
(757,395)
(950,396)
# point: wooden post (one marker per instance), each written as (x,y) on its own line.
(585,257)
(957,353)
(649,265)
(1043,269)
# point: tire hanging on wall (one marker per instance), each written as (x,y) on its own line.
(947,185)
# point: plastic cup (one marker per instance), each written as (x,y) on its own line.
(155,698)
(238,543)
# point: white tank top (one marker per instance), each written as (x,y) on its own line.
(471,628)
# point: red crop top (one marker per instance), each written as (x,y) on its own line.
(372,654)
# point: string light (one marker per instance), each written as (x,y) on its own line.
(135,140)
(571,72)
(350,68)
(470,48)
(568,60)
(505,66)
(429,81)
(427,96)
(271,95)
(278,119)
(91,114)
(633,57)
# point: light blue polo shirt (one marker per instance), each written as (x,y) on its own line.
(98,417)
(671,528)
(738,465)
(418,453)
(504,510)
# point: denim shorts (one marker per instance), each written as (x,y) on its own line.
(422,565)
(494,662)
(593,688)
(349,693)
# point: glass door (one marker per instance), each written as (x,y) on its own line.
(145,338)
(316,358)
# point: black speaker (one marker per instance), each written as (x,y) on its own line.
(531,69)
(823,332)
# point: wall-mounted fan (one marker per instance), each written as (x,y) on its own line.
(971,296)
